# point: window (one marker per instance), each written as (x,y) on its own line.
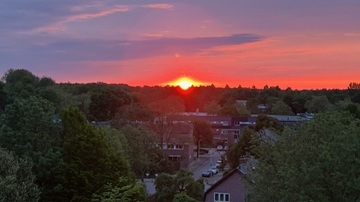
(221,197)
(179,147)
(224,132)
(174,157)
(224,123)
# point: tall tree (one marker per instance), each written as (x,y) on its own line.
(90,160)
(17,181)
(125,190)
(202,133)
(318,104)
(318,162)
(354,86)
(168,186)
(281,108)
(143,151)
(19,83)
(28,129)
(264,121)
(106,103)
(245,145)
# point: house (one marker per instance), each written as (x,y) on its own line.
(232,187)
(178,145)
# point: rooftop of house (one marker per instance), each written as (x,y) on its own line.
(179,133)
(223,179)
(247,165)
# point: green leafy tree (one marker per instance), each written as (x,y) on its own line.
(354,110)
(19,83)
(230,109)
(280,107)
(263,121)
(318,162)
(28,129)
(182,197)
(90,160)
(171,104)
(2,97)
(144,154)
(168,186)
(212,107)
(125,191)
(17,181)
(242,110)
(202,133)
(244,146)
(134,112)
(106,103)
(318,104)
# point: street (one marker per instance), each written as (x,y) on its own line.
(204,162)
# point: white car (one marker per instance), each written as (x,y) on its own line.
(214,170)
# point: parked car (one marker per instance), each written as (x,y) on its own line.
(214,170)
(207,173)
(218,164)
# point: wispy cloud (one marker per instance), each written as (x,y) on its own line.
(160,6)
(60,25)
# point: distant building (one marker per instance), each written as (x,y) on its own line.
(178,145)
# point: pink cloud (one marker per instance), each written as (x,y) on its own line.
(160,6)
(59,26)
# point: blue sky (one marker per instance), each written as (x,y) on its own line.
(301,44)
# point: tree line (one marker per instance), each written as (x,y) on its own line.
(52,149)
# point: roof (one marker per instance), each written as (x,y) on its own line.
(227,176)
(179,133)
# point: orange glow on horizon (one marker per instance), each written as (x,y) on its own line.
(185,83)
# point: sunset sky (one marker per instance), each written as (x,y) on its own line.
(298,44)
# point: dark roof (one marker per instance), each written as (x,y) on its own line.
(236,170)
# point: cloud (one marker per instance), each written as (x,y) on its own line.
(60,25)
(160,6)
(71,50)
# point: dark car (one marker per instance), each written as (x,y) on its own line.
(207,173)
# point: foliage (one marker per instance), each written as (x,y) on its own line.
(354,110)
(28,129)
(263,121)
(2,97)
(202,133)
(318,104)
(17,181)
(212,108)
(319,162)
(167,186)
(281,108)
(90,160)
(134,112)
(182,197)
(244,146)
(106,103)
(144,154)
(124,191)
(354,86)
(19,83)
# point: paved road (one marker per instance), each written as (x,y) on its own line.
(204,162)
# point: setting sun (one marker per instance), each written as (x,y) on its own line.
(184,83)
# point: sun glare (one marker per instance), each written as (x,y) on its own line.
(184,83)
